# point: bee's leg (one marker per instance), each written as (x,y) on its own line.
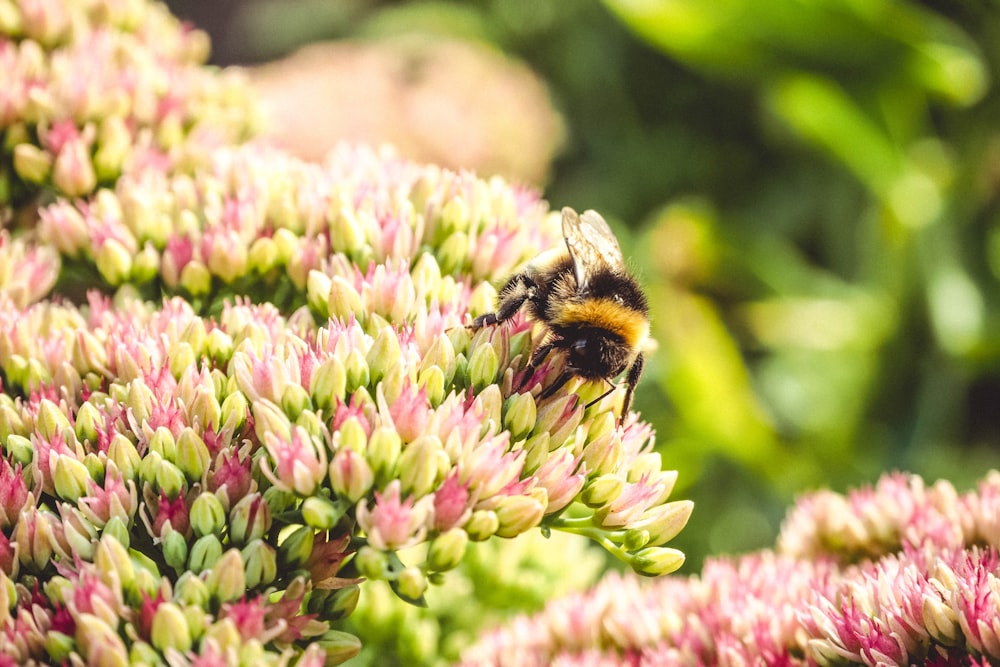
(518,289)
(536,359)
(634,373)
(611,388)
(566,376)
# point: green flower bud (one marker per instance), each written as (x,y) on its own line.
(175,549)
(88,352)
(196,278)
(260,563)
(193,457)
(19,449)
(483,366)
(372,563)
(125,456)
(391,385)
(234,411)
(170,628)
(456,215)
(17,370)
(602,490)
(343,301)
(205,409)
(295,549)
(347,233)
(87,419)
(536,450)
(190,590)
(114,262)
(170,479)
(205,552)
(483,299)
(482,525)
(223,634)
(141,653)
(38,375)
(280,501)
(318,286)
(339,647)
(58,646)
(384,448)
(334,605)
(263,255)
(51,421)
(654,561)
(249,519)
(145,265)
(321,513)
(294,400)
(10,424)
(328,382)
(79,533)
(421,464)
(350,475)
(663,522)
(286,242)
(208,516)
(411,583)
(31,163)
(520,415)
(140,398)
(433,382)
(112,556)
(384,355)
(162,443)
(453,253)
(447,550)
(605,454)
(490,401)
(219,346)
(114,144)
(116,529)
(269,418)
(95,467)
(69,477)
(516,514)
(98,643)
(441,354)
(227,579)
(357,371)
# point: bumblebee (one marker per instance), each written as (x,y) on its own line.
(593,311)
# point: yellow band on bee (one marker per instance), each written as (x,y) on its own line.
(632,326)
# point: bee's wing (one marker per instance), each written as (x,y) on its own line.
(592,245)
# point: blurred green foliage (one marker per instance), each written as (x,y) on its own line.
(811,189)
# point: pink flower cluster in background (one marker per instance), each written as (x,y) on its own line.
(897,574)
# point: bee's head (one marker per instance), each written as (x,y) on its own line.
(597,353)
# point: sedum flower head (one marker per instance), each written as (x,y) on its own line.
(93,90)
(897,574)
(235,384)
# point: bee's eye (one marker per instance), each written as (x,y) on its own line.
(579,348)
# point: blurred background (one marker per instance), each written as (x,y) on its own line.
(809,191)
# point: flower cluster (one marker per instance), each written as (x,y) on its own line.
(93,88)
(236,385)
(361,229)
(898,574)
